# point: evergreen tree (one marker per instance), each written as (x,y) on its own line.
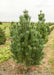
(42,27)
(26,43)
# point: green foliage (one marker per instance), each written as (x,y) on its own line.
(2,37)
(0,23)
(42,27)
(41,16)
(4,69)
(33,23)
(11,28)
(5,27)
(26,43)
(7,35)
(5,53)
(52,28)
(12,23)
(50,23)
(48,29)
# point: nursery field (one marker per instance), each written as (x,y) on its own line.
(5,27)
(4,49)
(8,66)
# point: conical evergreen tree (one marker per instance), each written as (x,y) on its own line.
(26,43)
(42,27)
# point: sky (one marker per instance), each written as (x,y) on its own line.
(10,10)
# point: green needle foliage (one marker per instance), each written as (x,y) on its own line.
(11,28)
(2,37)
(42,27)
(26,43)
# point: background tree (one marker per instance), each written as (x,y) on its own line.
(2,37)
(0,23)
(11,28)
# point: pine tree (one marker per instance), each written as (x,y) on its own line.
(26,43)
(42,27)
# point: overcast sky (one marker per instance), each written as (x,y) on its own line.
(10,10)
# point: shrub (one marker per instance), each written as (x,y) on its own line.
(2,37)
(0,23)
(26,43)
